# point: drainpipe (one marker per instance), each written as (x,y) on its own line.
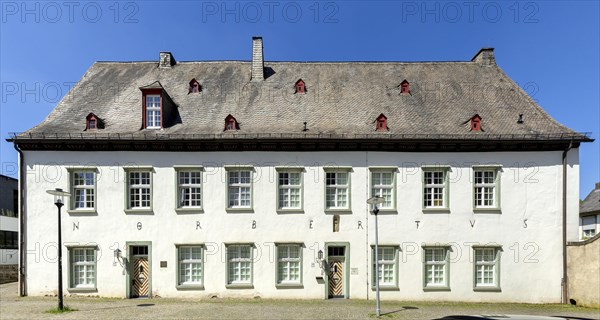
(22,230)
(565,282)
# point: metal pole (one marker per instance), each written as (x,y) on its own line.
(377,309)
(60,284)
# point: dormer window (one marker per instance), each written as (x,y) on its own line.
(153,111)
(92,122)
(300,86)
(476,123)
(381,123)
(404,87)
(194,86)
(230,123)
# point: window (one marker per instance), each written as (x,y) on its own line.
(15,203)
(139,186)
(9,240)
(92,124)
(230,123)
(381,123)
(485,188)
(383,185)
(435,189)
(487,268)
(290,190)
(435,268)
(239,264)
(189,189)
(388,266)
(337,190)
(289,269)
(83,190)
(476,123)
(239,188)
(300,87)
(153,112)
(190,265)
(194,86)
(588,226)
(404,87)
(83,268)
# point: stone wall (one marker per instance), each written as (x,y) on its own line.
(583,271)
(8,273)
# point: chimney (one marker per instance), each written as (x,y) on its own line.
(485,57)
(597,185)
(257,60)
(166,60)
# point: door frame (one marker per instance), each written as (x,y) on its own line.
(129,266)
(346,268)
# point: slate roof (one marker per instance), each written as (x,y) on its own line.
(591,203)
(342,98)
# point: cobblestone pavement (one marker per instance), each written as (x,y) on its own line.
(14,307)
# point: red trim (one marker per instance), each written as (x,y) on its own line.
(147,92)
(476,123)
(300,86)
(230,120)
(194,84)
(405,87)
(381,123)
(91,117)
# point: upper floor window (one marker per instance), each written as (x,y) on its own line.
(383,185)
(486,188)
(139,189)
(404,87)
(435,188)
(239,188)
(289,189)
(588,227)
(189,188)
(194,86)
(300,86)
(153,112)
(337,189)
(230,123)
(83,189)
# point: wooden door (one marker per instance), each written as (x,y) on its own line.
(336,279)
(141,277)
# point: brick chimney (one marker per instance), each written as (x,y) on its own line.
(597,185)
(257,59)
(485,57)
(166,60)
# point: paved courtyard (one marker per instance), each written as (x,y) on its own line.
(14,307)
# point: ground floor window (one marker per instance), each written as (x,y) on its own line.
(239,264)
(487,268)
(435,268)
(83,268)
(388,266)
(289,261)
(190,265)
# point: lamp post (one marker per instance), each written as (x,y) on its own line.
(59,194)
(375,201)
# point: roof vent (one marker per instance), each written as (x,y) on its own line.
(166,60)
(257,59)
(485,57)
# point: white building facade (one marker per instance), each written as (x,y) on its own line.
(250,209)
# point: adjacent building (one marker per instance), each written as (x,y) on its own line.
(250,178)
(9,228)
(589,214)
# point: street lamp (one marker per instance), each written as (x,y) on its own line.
(59,194)
(375,201)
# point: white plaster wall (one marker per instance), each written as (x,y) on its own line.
(531,185)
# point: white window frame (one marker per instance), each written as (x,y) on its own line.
(588,230)
(287,188)
(393,285)
(234,257)
(479,186)
(239,185)
(477,271)
(153,110)
(86,265)
(435,263)
(86,188)
(185,205)
(335,188)
(141,186)
(182,283)
(288,261)
(445,205)
(377,189)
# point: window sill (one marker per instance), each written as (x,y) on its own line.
(139,211)
(189,210)
(289,286)
(284,211)
(386,288)
(239,210)
(438,288)
(436,210)
(487,289)
(239,286)
(487,210)
(190,287)
(339,211)
(83,212)
(82,290)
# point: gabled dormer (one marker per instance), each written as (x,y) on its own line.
(381,123)
(476,123)
(194,87)
(231,124)
(93,122)
(300,86)
(158,109)
(405,87)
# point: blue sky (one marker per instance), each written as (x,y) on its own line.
(551,49)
